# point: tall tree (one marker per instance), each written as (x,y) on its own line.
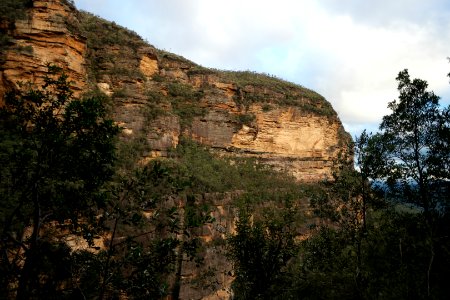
(260,251)
(56,153)
(412,135)
(414,145)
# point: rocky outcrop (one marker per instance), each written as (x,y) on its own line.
(303,145)
(47,35)
(302,138)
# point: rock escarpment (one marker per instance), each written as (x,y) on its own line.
(159,98)
(165,96)
(236,113)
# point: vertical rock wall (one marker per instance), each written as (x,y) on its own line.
(47,35)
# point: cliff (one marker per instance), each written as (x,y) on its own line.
(237,113)
(158,98)
(166,96)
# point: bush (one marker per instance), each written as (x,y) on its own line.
(11,10)
(246,119)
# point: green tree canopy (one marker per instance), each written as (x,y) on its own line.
(415,139)
(56,153)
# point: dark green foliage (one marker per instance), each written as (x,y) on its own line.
(416,140)
(187,111)
(185,102)
(4,42)
(121,93)
(101,35)
(155,97)
(397,260)
(177,89)
(107,33)
(245,119)
(366,247)
(209,173)
(440,161)
(266,107)
(158,78)
(398,254)
(260,251)
(62,145)
(148,267)
(146,253)
(325,268)
(11,10)
(57,152)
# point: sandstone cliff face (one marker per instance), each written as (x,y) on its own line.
(160,98)
(165,96)
(41,38)
(214,112)
(303,145)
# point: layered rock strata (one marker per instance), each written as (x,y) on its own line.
(44,37)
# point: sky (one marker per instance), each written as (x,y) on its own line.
(349,51)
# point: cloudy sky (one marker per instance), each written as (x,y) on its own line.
(350,51)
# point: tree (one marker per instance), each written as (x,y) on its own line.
(440,161)
(57,172)
(368,246)
(260,251)
(410,156)
(342,206)
(416,139)
(144,255)
(10,10)
(56,153)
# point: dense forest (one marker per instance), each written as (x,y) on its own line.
(84,217)
(381,229)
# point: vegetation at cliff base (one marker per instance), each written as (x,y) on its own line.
(82,218)
(63,179)
(383,227)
